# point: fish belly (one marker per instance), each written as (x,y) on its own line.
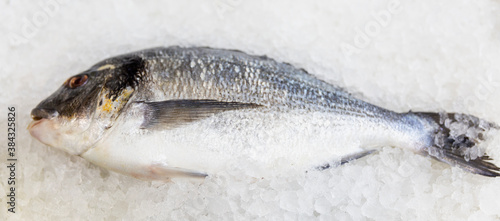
(267,142)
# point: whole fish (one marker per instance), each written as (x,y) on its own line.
(167,112)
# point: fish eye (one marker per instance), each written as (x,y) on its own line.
(76,81)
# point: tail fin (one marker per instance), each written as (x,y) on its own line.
(456,140)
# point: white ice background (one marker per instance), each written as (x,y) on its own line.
(402,55)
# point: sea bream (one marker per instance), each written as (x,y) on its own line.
(168,112)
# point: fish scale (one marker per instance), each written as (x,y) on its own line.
(302,91)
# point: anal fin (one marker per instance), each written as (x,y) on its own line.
(345,159)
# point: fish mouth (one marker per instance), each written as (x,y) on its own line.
(34,123)
(51,133)
(40,130)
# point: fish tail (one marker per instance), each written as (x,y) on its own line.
(455,140)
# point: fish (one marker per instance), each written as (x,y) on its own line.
(170,112)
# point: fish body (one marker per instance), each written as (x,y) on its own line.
(131,114)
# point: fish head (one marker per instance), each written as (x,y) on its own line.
(76,116)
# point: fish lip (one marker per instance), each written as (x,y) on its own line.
(32,128)
(34,123)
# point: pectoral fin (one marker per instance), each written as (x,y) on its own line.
(160,171)
(174,113)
